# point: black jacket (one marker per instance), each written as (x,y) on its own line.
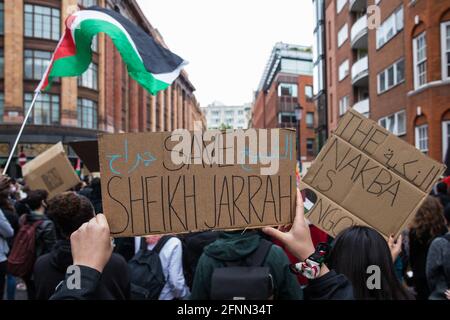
(50,270)
(45,233)
(331,286)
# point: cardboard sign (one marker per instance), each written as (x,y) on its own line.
(87,151)
(51,171)
(146,192)
(365,175)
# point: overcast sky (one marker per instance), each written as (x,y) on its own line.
(228,42)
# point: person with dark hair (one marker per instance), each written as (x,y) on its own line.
(438,264)
(357,248)
(69,212)
(7,206)
(442,193)
(45,236)
(427,224)
(6,232)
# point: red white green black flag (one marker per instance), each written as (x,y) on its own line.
(151,65)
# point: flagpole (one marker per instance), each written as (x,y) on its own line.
(36,95)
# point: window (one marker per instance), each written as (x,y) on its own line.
(215,113)
(340,5)
(2,106)
(445,47)
(45,111)
(422,138)
(287,90)
(390,27)
(240,112)
(310,146)
(445,138)
(89,78)
(342,35)
(309,92)
(36,63)
(296,66)
(2,18)
(344,104)
(2,63)
(229,113)
(87,114)
(391,76)
(310,119)
(42,22)
(420,60)
(395,123)
(286,117)
(87,3)
(343,70)
(318,77)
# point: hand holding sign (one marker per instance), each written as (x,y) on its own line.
(298,239)
(91,244)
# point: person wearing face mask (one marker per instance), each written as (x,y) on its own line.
(45,235)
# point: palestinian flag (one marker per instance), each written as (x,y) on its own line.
(151,65)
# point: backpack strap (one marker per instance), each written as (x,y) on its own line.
(161,243)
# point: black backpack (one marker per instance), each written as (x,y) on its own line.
(245,279)
(146,273)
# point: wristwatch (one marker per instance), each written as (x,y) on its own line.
(310,268)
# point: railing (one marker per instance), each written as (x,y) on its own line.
(359,29)
(358,5)
(362,106)
(360,69)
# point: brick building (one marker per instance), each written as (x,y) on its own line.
(396,72)
(286,87)
(103,99)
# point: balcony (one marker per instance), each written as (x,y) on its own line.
(358,5)
(359,34)
(360,73)
(362,106)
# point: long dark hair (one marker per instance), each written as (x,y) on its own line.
(357,248)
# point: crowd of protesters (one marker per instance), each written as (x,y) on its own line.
(42,242)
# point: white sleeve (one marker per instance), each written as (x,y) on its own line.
(6,230)
(175,273)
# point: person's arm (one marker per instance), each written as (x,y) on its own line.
(330,286)
(48,236)
(298,241)
(434,264)
(6,231)
(67,289)
(91,250)
(175,273)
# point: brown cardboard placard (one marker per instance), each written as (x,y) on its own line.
(365,175)
(87,151)
(144,192)
(51,171)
